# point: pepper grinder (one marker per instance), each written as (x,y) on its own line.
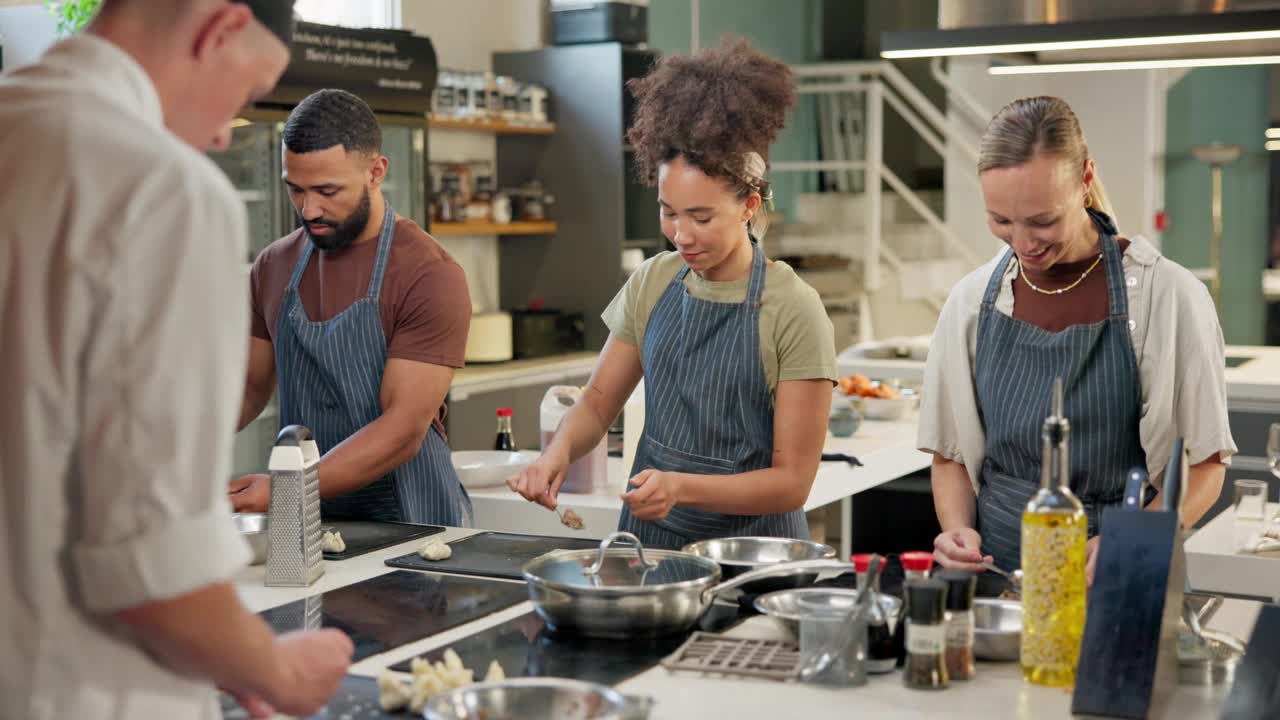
(295,556)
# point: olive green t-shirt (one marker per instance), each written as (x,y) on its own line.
(797,341)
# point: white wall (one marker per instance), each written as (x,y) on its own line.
(465,35)
(25,32)
(1122,113)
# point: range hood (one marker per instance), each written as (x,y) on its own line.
(1066,35)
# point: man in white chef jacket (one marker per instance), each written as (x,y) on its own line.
(122,308)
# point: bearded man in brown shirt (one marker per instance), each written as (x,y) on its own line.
(360,318)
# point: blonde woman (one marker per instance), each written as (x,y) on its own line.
(1134,336)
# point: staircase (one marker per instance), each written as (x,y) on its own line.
(902,258)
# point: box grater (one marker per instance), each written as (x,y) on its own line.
(295,556)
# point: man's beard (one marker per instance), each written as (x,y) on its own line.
(345,232)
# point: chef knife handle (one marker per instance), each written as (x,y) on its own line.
(293,435)
(1134,487)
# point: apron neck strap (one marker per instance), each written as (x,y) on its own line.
(379,267)
(755,286)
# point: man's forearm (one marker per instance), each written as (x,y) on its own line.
(374,451)
(254,402)
(209,634)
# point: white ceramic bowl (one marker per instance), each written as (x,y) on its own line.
(883,408)
(488,468)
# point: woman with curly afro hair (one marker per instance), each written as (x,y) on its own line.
(737,353)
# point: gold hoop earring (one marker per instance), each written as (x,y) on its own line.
(1088,200)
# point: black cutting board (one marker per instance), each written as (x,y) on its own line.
(493,554)
(362,536)
(398,608)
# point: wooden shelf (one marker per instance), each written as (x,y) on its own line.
(488,228)
(500,127)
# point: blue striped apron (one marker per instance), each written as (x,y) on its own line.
(707,408)
(1015,365)
(330,377)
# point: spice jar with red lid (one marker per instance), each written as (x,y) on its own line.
(915,566)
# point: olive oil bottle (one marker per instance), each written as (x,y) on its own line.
(1054,531)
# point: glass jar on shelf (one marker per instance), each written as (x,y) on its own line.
(449,207)
(480,207)
(444,97)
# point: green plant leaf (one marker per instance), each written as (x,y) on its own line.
(72,15)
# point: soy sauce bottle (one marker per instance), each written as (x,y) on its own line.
(881,656)
(505,440)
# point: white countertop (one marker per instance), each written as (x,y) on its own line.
(1254,381)
(887,451)
(1257,380)
(998,693)
(1214,566)
(497,376)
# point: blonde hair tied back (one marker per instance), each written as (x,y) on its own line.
(1042,124)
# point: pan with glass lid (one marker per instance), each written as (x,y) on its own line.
(629,591)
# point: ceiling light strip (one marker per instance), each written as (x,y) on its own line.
(1133,65)
(1097,43)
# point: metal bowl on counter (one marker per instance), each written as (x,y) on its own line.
(784,606)
(549,698)
(738,555)
(997,633)
(253,528)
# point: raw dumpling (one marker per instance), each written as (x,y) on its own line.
(452,661)
(420,666)
(424,686)
(572,520)
(393,693)
(460,678)
(433,549)
(495,673)
(332,542)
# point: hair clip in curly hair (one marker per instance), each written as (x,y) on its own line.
(766,198)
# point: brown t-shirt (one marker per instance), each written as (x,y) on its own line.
(424,305)
(1081,305)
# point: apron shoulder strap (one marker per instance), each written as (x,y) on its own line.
(384,251)
(301,267)
(755,288)
(1117,295)
(993,284)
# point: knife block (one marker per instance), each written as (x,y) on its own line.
(295,554)
(1129,654)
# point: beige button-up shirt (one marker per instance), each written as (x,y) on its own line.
(1176,338)
(124,326)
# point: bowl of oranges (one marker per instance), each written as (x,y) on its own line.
(876,399)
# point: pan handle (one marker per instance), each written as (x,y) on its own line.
(613,538)
(778,570)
